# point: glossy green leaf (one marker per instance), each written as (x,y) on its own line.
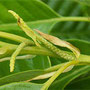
(21,86)
(70,30)
(66,78)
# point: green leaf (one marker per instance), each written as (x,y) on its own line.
(85,2)
(80,84)
(21,86)
(28,31)
(30,11)
(81,44)
(38,62)
(34,16)
(7,24)
(66,78)
(85,6)
(41,62)
(21,76)
(25,8)
(70,30)
(61,43)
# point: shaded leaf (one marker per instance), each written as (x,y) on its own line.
(86,2)
(66,78)
(80,84)
(25,9)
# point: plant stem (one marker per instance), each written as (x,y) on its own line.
(84,58)
(63,19)
(34,50)
(84,19)
(15,37)
(49,82)
(59,19)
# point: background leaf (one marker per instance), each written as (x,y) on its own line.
(64,79)
(21,86)
(29,10)
(80,84)
(70,30)
(21,76)
(34,12)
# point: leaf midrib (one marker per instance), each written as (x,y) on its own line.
(52,20)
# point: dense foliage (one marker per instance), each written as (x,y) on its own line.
(65,19)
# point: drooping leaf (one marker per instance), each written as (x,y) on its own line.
(59,42)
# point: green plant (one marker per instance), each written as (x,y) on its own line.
(40,48)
